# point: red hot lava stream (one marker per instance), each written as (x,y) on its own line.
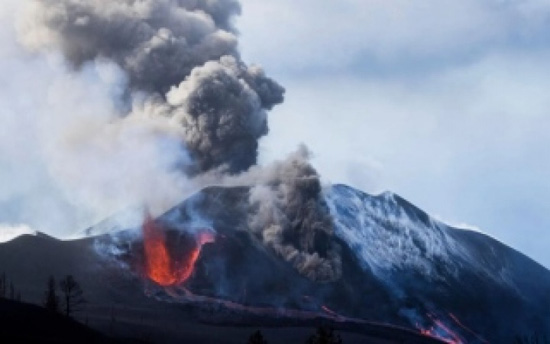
(181,294)
(160,266)
(440,328)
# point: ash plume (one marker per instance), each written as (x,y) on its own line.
(173,105)
(181,55)
(290,215)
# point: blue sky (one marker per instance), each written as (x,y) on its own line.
(443,102)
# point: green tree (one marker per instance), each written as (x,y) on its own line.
(324,335)
(73,297)
(51,300)
(257,338)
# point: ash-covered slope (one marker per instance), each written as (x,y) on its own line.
(238,285)
(466,280)
(399,267)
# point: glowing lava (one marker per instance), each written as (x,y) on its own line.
(441,331)
(160,265)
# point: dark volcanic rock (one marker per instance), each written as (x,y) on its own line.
(399,267)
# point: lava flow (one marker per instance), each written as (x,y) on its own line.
(441,331)
(161,265)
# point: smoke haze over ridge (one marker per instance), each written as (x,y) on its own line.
(143,103)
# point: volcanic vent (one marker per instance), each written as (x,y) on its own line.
(167,256)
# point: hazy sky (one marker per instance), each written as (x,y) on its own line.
(441,101)
(444,102)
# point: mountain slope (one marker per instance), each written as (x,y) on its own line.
(25,323)
(442,272)
(121,304)
(399,268)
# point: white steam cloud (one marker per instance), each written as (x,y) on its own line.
(10,232)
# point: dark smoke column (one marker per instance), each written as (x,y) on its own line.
(182,54)
(181,61)
(290,215)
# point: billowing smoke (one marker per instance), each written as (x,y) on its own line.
(157,42)
(173,105)
(181,55)
(221,107)
(291,216)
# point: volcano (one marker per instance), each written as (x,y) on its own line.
(406,277)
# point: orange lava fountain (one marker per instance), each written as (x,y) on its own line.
(160,267)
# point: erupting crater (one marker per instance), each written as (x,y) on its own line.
(170,259)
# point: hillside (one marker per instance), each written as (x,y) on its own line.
(406,278)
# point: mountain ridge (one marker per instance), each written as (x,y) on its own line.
(400,266)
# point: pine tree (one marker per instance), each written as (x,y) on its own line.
(3,286)
(12,291)
(73,297)
(51,300)
(257,338)
(325,335)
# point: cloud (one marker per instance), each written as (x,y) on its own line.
(384,36)
(465,144)
(442,102)
(10,232)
